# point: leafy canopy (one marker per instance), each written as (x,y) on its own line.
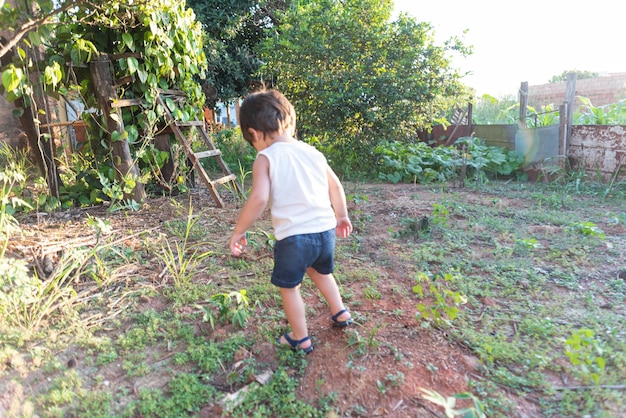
(233,31)
(356,78)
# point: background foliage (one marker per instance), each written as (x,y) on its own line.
(356,78)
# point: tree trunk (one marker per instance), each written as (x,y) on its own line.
(105,92)
(41,148)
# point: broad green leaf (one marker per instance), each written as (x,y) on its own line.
(11,78)
(128,41)
(133,133)
(117,136)
(133,64)
(34,37)
(143,75)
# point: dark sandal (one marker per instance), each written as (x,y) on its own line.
(296,344)
(341,324)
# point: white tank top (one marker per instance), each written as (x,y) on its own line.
(299,194)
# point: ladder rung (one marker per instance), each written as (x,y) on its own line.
(190,123)
(210,153)
(223,180)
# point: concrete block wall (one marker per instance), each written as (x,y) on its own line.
(601,91)
(599,149)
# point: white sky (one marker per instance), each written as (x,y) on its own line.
(531,41)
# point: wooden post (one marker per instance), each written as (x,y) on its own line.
(106,94)
(570,96)
(563,124)
(237,112)
(470,117)
(523,103)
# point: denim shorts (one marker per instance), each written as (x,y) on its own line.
(294,254)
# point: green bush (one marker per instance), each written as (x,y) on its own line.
(423,164)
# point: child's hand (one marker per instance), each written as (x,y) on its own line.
(237,244)
(344,227)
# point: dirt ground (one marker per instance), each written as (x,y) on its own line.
(426,357)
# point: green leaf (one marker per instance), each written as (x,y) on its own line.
(11,78)
(418,290)
(143,75)
(117,136)
(133,133)
(128,41)
(133,64)
(34,38)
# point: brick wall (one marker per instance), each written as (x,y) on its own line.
(601,91)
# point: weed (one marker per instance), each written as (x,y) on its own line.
(381,387)
(617,218)
(446,301)
(233,307)
(526,246)
(587,229)
(586,354)
(182,259)
(27,299)
(414,227)
(395,379)
(440,216)
(372,293)
(267,240)
(477,410)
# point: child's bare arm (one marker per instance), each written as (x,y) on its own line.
(338,200)
(254,206)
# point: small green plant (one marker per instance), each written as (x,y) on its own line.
(611,114)
(586,353)
(395,379)
(445,306)
(182,259)
(440,215)
(363,344)
(381,387)
(233,307)
(617,218)
(101,227)
(26,300)
(12,177)
(414,227)
(372,293)
(526,245)
(477,410)
(266,243)
(588,229)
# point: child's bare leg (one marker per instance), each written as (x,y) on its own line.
(328,287)
(294,310)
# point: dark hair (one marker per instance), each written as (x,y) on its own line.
(267,111)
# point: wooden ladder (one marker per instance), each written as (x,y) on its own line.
(195,157)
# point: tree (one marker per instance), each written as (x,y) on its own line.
(562,78)
(356,78)
(233,29)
